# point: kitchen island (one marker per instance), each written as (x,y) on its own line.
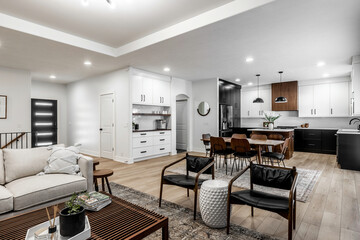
(348,151)
(286,133)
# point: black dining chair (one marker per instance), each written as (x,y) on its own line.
(277,157)
(219,149)
(196,164)
(268,176)
(242,152)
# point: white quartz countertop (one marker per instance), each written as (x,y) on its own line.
(268,130)
(348,131)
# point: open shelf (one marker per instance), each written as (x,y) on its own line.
(151,114)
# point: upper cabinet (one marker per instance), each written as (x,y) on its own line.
(324,100)
(288,90)
(355,79)
(255,110)
(148,90)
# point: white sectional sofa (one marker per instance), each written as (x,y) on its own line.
(21,188)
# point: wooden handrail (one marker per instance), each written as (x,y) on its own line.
(14,140)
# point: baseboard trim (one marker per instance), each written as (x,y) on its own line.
(126,160)
(90,152)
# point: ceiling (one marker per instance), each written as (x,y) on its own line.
(282,35)
(128,21)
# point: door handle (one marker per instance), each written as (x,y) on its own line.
(161,140)
(311,111)
(248,113)
(143,151)
(144,97)
(331,111)
(100,129)
(141,97)
(143,142)
(161,149)
(315,111)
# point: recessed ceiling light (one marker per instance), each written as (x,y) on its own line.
(326,75)
(250,83)
(320,64)
(249,59)
(87,63)
(52,77)
(166,69)
(85,3)
(237,80)
(112,4)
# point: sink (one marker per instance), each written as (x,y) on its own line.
(349,130)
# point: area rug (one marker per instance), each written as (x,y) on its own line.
(181,223)
(306,181)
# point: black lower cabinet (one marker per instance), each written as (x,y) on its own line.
(348,151)
(316,141)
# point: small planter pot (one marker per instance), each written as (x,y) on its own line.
(71,224)
(271,126)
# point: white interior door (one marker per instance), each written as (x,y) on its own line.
(181,124)
(107,125)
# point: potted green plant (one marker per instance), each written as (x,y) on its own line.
(72,217)
(271,117)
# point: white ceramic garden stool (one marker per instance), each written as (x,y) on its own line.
(213,203)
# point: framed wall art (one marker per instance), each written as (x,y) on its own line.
(3,107)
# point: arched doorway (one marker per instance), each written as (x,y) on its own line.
(182,123)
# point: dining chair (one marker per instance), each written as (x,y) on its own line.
(239,136)
(218,148)
(242,152)
(206,143)
(262,137)
(273,136)
(268,176)
(276,156)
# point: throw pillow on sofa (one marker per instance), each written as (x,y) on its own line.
(63,160)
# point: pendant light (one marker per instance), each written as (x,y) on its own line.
(258,99)
(280,99)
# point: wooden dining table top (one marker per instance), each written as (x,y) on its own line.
(268,142)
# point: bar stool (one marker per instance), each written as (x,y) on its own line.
(103,174)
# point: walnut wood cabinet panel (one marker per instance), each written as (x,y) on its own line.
(288,90)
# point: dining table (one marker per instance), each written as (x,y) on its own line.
(255,142)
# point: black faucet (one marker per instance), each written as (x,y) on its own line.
(355,121)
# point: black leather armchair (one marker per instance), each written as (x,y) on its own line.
(276,177)
(195,164)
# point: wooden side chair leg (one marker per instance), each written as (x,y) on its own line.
(161,191)
(252,211)
(187,190)
(195,203)
(108,185)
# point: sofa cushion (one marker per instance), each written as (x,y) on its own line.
(34,190)
(24,162)
(63,160)
(2,168)
(6,200)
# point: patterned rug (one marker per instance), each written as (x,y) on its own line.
(306,181)
(181,223)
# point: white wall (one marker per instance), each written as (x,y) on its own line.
(16,85)
(53,91)
(290,118)
(84,112)
(181,86)
(205,90)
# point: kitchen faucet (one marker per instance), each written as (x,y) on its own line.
(355,121)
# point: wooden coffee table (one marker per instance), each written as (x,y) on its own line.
(119,220)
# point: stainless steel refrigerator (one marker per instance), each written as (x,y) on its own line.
(226,120)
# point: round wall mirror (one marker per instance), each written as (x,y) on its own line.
(203,108)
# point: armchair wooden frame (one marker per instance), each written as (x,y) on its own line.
(195,189)
(290,215)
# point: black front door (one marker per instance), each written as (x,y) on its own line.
(43,122)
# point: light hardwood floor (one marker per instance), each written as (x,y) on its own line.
(331,213)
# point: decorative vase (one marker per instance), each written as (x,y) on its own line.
(271,126)
(71,224)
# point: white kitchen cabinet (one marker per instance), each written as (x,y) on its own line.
(161,93)
(151,144)
(306,101)
(355,78)
(339,99)
(255,110)
(324,100)
(142,90)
